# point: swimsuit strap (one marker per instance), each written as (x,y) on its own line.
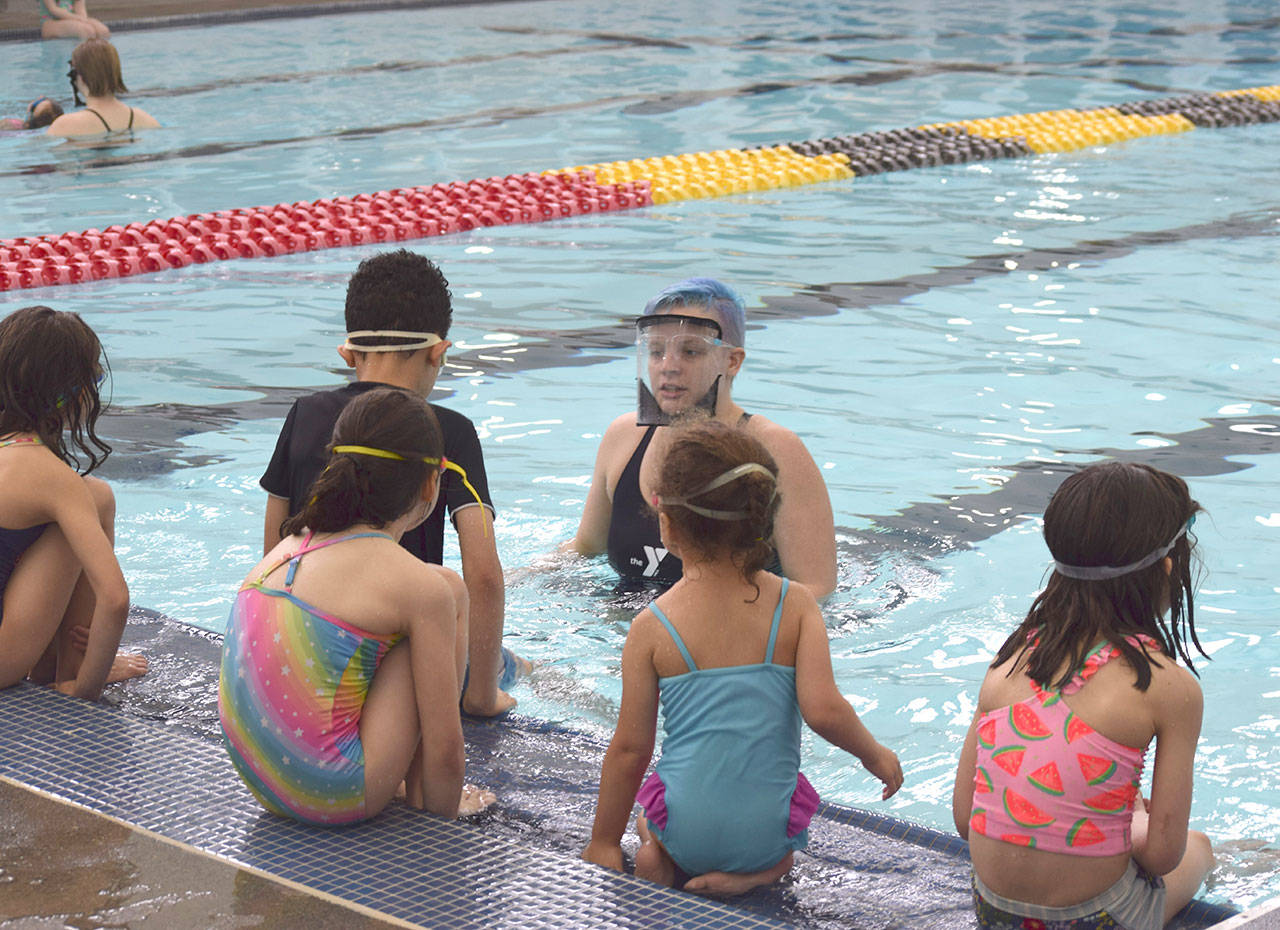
(688,659)
(130,126)
(744,419)
(23,440)
(1103,653)
(777,618)
(105,124)
(295,558)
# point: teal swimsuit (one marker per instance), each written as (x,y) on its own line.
(728,794)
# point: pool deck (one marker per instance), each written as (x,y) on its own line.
(19,19)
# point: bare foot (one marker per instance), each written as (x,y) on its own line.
(127,665)
(734,883)
(653,863)
(474,800)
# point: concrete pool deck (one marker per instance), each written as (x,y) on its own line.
(20,19)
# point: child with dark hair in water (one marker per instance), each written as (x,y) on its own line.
(64,597)
(343,652)
(398,314)
(736,657)
(1047,788)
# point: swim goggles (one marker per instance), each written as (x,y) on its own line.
(424,340)
(72,74)
(31,107)
(733,474)
(396,456)
(1104,572)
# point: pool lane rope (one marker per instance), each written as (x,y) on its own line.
(440,209)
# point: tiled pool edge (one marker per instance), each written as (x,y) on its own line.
(157,780)
(407,865)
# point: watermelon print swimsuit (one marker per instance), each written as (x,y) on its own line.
(1048,780)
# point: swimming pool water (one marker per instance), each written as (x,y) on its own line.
(941,338)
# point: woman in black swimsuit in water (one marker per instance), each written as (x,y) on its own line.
(95,73)
(691,339)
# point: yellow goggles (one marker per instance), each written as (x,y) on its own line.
(442,462)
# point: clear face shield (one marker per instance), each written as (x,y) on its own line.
(679,363)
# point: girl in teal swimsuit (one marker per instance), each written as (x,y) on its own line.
(735,657)
(64,597)
(343,653)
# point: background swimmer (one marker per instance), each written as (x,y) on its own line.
(95,73)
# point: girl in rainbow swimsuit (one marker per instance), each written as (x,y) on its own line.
(343,653)
(1047,789)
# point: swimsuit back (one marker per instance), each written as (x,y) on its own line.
(1047,779)
(292,687)
(730,760)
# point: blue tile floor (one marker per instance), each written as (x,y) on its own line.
(516,867)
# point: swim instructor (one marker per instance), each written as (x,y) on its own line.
(689,350)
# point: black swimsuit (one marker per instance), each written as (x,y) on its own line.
(635,546)
(106,125)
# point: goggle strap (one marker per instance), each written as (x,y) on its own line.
(442,462)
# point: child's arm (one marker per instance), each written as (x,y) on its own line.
(76,514)
(482,572)
(1179,706)
(962,791)
(631,748)
(277,512)
(824,707)
(436,687)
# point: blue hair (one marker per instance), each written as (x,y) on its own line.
(706,294)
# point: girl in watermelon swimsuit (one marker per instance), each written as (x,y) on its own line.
(1047,785)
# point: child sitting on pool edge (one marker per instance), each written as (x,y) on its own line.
(398,312)
(64,598)
(736,655)
(1048,778)
(340,673)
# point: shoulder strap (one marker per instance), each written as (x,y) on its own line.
(130,126)
(688,659)
(296,558)
(105,124)
(744,419)
(1103,653)
(777,618)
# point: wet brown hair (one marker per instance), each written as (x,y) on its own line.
(356,488)
(697,453)
(49,367)
(1115,513)
(98,63)
(44,118)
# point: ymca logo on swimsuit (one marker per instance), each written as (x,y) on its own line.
(655,555)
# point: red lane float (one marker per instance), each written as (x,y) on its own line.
(387,216)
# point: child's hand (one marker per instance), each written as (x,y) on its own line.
(608,855)
(883,764)
(474,800)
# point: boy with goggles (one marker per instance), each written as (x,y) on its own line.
(398,313)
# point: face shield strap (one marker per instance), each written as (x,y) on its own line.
(1104,572)
(698,336)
